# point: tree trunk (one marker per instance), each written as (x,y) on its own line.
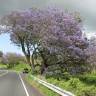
(29,62)
(27,55)
(44,65)
(32,60)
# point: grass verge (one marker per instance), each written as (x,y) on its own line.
(3,66)
(44,90)
(84,85)
(20,67)
(76,86)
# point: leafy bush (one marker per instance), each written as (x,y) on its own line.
(75,86)
(58,75)
(87,91)
(88,79)
(21,67)
(74,82)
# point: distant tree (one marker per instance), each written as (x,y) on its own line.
(1,53)
(12,59)
(3,60)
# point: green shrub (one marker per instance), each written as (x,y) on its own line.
(74,82)
(75,86)
(57,75)
(88,79)
(87,91)
(78,86)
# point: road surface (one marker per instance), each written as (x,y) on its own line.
(12,84)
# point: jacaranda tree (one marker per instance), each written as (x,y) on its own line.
(49,32)
(24,27)
(63,36)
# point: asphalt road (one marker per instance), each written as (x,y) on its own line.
(12,84)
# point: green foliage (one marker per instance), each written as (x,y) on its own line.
(89,79)
(20,67)
(3,65)
(44,90)
(57,74)
(12,59)
(74,82)
(75,86)
(87,91)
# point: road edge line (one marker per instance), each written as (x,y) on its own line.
(3,74)
(26,91)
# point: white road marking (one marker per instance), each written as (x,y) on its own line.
(2,74)
(24,85)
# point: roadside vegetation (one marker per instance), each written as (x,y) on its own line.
(78,86)
(54,48)
(83,85)
(20,67)
(13,61)
(44,90)
(3,66)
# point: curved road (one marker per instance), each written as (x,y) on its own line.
(11,84)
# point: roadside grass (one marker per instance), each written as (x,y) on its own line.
(84,85)
(43,90)
(20,67)
(76,86)
(3,66)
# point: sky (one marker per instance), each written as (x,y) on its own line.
(86,8)
(7,46)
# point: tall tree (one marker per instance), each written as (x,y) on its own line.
(63,35)
(23,28)
(48,31)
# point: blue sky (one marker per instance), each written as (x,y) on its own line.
(7,46)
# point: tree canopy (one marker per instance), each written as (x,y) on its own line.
(49,33)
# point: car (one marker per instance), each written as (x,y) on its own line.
(25,70)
